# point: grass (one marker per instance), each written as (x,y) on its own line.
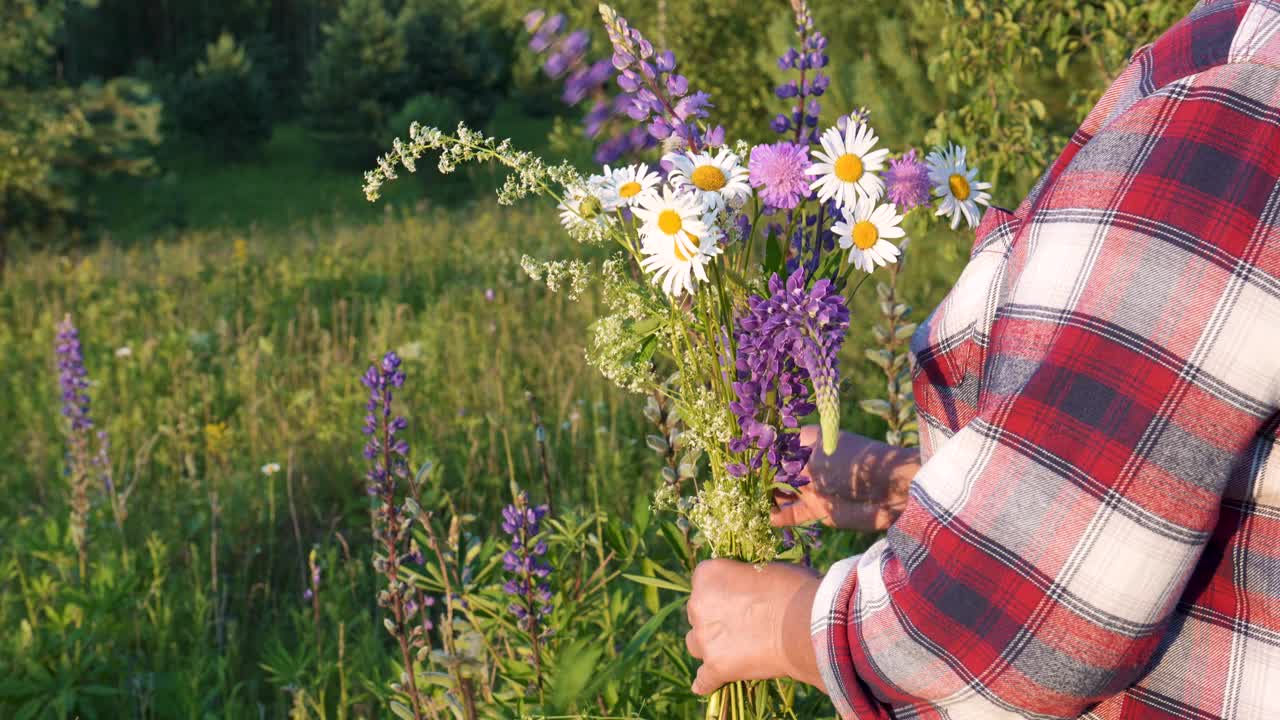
(248,325)
(297,177)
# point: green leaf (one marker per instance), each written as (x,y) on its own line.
(772,257)
(401,710)
(630,655)
(655,582)
(640,517)
(676,541)
(574,668)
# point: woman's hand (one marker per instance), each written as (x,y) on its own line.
(751,623)
(861,486)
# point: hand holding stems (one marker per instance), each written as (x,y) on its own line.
(752,623)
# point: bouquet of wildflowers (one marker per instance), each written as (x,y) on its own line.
(728,294)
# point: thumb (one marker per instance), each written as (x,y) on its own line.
(707,681)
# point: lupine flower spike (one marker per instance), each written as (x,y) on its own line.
(790,337)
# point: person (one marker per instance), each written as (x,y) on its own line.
(1092,525)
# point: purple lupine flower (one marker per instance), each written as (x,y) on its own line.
(387,454)
(907,181)
(779,170)
(785,343)
(587,81)
(654,88)
(72,377)
(523,561)
(808,60)
(807,537)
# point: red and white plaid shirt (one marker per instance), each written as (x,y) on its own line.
(1096,528)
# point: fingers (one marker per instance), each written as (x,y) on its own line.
(707,681)
(791,513)
(809,435)
(692,644)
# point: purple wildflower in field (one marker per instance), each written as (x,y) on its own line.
(811,57)
(586,81)
(778,169)
(907,181)
(388,456)
(659,98)
(72,377)
(786,341)
(523,561)
(73,381)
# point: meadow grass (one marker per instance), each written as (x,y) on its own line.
(244,348)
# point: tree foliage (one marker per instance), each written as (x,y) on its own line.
(358,74)
(224,102)
(54,135)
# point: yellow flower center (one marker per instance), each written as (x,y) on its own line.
(865,235)
(629,190)
(708,178)
(959,187)
(669,222)
(849,167)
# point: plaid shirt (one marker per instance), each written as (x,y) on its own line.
(1095,530)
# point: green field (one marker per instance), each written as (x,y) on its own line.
(246,333)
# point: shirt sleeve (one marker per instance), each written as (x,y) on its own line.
(1133,361)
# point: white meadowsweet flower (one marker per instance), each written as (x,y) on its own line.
(678,240)
(625,186)
(956,185)
(582,210)
(717,181)
(270,469)
(124,351)
(865,231)
(846,165)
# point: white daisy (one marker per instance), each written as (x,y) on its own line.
(581,209)
(270,469)
(865,232)
(678,240)
(625,186)
(846,166)
(716,181)
(961,194)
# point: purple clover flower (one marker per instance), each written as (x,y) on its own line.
(802,120)
(527,585)
(657,96)
(785,343)
(779,170)
(907,181)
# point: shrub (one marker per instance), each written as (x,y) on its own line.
(224,102)
(357,76)
(457,54)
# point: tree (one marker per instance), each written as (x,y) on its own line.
(357,77)
(53,135)
(224,101)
